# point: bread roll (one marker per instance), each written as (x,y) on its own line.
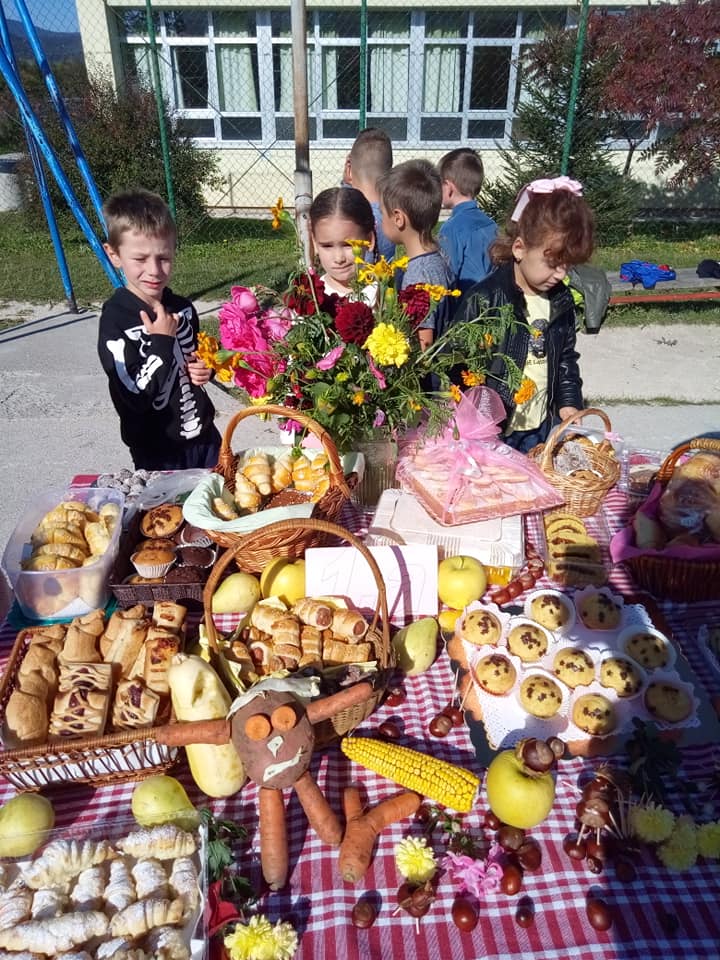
(79,646)
(26,721)
(40,659)
(649,534)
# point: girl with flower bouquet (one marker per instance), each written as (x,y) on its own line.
(341,219)
(550,229)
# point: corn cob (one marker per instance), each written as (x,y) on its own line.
(443,782)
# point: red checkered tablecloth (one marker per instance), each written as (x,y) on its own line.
(318,903)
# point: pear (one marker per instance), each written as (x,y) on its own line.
(162,799)
(238,593)
(416,646)
(25,823)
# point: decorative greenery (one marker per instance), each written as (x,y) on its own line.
(221,834)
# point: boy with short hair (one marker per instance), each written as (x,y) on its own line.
(369,159)
(410,198)
(147,343)
(467,234)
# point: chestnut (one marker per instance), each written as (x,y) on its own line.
(395,696)
(514,589)
(529,855)
(364,914)
(597,847)
(557,746)
(574,847)
(491,821)
(598,913)
(594,864)
(440,725)
(510,838)
(625,870)
(464,914)
(525,913)
(501,597)
(455,714)
(389,730)
(536,755)
(511,881)
(415,900)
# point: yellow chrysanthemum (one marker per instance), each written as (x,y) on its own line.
(260,940)
(358,398)
(455,392)
(415,860)
(388,346)
(471,379)
(708,840)
(525,391)
(680,850)
(650,822)
(489,339)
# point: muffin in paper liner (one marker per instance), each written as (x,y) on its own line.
(478,655)
(520,622)
(191,536)
(549,662)
(560,598)
(624,711)
(586,594)
(647,655)
(672,679)
(615,654)
(560,715)
(151,569)
(491,608)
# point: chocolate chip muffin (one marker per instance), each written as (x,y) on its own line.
(620,675)
(668,702)
(593,713)
(162,521)
(540,696)
(574,667)
(650,650)
(599,611)
(495,674)
(527,641)
(550,610)
(481,627)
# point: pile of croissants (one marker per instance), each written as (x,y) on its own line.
(260,477)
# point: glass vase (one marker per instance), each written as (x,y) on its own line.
(381,456)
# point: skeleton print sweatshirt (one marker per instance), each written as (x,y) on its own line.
(149,384)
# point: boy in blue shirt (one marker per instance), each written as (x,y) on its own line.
(466,236)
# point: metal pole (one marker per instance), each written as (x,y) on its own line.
(60,259)
(160,108)
(303,174)
(53,163)
(362,114)
(572,101)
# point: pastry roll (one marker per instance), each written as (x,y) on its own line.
(164,842)
(36,685)
(264,615)
(26,720)
(61,860)
(40,659)
(257,470)
(120,890)
(314,612)
(85,676)
(281,473)
(119,948)
(247,496)
(15,905)
(140,917)
(48,903)
(109,513)
(98,537)
(224,510)
(349,624)
(56,936)
(128,641)
(184,881)
(79,713)
(150,879)
(303,477)
(167,943)
(169,615)
(134,705)
(88,892)
(79,646)
(337,651)
(160,647)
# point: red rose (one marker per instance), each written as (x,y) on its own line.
(354,321)
(416,303)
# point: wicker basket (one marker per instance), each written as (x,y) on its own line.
(676,578)
(266,547)
(378,633)
(112,758)
(583,495)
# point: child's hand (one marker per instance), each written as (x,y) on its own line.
(565,412)
(164,323)
(426,337)
(197,371)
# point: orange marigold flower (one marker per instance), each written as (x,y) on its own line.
(471,379)
(358,398)
(489,339)
(455,392)
(525,391)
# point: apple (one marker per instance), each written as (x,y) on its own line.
(516,794)
(460,581)
(416,646)
(448,620)
(284,579)
(25,824)
(238,593)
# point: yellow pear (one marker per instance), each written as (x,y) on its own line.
(25,823)
(162,799)
(238,593)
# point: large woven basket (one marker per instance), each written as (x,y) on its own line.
(677,578)
(582,495)
(266,546)
(378,633)
(112,758)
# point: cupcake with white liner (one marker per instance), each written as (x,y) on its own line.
(574,666)
(670,701)
(482,624)
(551,609)
(153,562)
(599,609)
(542,696)
(621,674)
(527,639)
(648,647)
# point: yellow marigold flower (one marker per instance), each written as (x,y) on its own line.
(525,391)
(454,293)
(279,214)
(471,379)
(679,851)
(708,840)
(455,392)
(382,270)
(415,860)
(358,398)
(651,822)
(489,339)
(437,292)
(357,248)
(342,377)
(414,405)
(388,345)
(224,375)
(259,401)
(399,263)
(535,333)
(258,939)
(366,274)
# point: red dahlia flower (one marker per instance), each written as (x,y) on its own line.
(354,321)
(416,303)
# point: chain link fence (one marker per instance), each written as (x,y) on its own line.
(434,77)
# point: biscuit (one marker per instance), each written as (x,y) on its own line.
(668,702)
(593,713)
(598,611)
(573,667)
(481,626)
(527,641)
(540,696)
(495,674)
(550,611)
(648,649)
(620,675)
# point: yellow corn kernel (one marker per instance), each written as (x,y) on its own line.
(443,782)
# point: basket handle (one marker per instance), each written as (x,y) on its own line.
(699,443)
(226,456)
(545,461)
(283,526)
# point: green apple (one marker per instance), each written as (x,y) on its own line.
(517,795)
(25,823)
(416,646)
(284,579)
(460,581)
(238,593)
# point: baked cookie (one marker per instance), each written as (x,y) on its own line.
(495,674)
(598,611)
(668,702)
(527,641)
(620,675)
(540,696)
(573,667)
(550,611)
(162,521)
(593,713)
(648,649)
(480,627)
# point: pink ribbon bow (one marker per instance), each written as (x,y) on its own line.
(545,185)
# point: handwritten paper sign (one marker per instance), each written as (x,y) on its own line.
(409,573)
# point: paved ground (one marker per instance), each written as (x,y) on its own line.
(56,419)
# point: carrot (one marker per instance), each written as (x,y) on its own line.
(283,718)
(320,814)
(362,829)
(342,700)
(257,727)
(273,837)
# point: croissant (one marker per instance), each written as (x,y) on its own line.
(140,917)
(47,562)
(71,534)
(223,510)
(55,936)
(62,860)
(184,881)
(322,485)
(314,612)
(247,495)
(150,879)
(257,471)
(15,905)
(98,537)
(303,477)
(281,473)
(66,550)
(320,465)
(88,892)
(167,943)
(120,890)
(47,904)
(163,842)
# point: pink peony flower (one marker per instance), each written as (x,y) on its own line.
(330,359)
(245,299)
(277,323)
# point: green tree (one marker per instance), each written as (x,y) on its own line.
(536,146)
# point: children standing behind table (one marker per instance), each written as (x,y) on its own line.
(147,342)
(370,157)
(467,234)
(337,217)
(550,230)
(410,198)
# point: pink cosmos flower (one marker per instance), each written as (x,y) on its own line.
(277,323)
(379,376)
(330,359)
(379,418)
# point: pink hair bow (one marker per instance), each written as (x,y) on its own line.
(545,185)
